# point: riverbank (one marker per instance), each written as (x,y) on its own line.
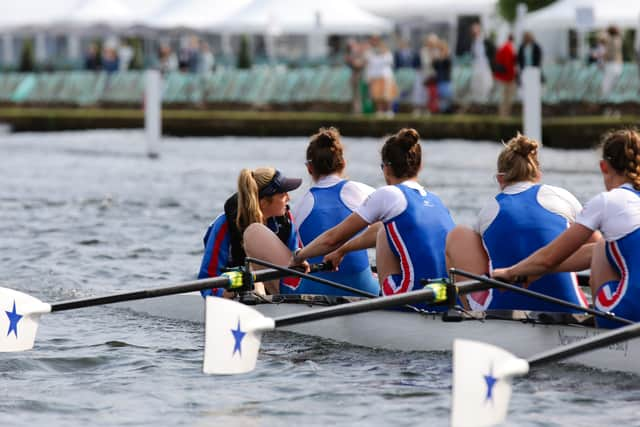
(560,132)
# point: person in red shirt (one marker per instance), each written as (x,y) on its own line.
(505,75)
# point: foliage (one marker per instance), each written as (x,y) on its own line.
(244,56)
(27,60)
(508,8)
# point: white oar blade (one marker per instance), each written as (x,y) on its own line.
(482,383)
(19,315)
(232,336)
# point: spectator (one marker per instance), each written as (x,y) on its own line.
(442,67)
(125,55)
(91,58)
(529,53)
(168,59)
(110,62)
(355,60)
(505,74)
(483,53)
(379,74)
(598,49)
(612,60)
(404,57)
(206,60)
(425,83)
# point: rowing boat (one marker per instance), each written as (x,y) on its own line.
(521,332)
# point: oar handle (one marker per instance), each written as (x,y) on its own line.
(500,284)
(318,267)
(227,281)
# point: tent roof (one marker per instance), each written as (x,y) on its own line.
(301,17)
(35,12)
(432,10)
(199,14)
(562,14)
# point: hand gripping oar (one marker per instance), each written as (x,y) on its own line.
(482,374)
(233,330)
(19,312)
(330,283)
(500,284)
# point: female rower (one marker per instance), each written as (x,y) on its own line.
(615,271)
(412,223)
(256,222)
(330,200)
(522,218)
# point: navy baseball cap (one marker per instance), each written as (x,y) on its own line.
(280,184)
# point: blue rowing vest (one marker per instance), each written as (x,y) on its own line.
(521,227)
(354,271)
(417,237)
(622,297)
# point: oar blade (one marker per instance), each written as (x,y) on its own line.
(19,315)
(482,383)
(232,336)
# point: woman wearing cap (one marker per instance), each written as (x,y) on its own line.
(615,272)
(330,200)
(410,224)
(256,222)
(522,218)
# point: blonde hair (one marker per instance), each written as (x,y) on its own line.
(621,148)
(518,161)
(250,182)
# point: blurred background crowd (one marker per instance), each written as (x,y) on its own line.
(494,40)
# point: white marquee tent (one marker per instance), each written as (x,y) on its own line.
(303,17)
(196,14)
(562,14)
(430,10)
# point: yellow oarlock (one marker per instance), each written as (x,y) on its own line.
(440,291)
(235,279)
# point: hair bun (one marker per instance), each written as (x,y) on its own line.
(523,145)
(408,136)
(327,137)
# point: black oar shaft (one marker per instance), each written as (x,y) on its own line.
(533,294)
(311,277)
(191,286)
(588,344)
(425,295)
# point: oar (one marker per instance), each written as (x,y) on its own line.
(500,284)
(482,374)
(293,272)
(234,330)
(19,312)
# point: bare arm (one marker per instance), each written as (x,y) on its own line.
(331,239)
(363,241)
(581,259)
(550,257)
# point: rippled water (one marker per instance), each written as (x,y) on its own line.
(86,213)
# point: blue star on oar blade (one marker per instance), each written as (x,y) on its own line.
(14,318)
(238,335)
(491,381)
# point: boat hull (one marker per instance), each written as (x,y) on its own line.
(411,331)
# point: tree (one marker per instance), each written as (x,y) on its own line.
(507,8)
(244,56)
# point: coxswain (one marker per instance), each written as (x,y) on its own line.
(256,222)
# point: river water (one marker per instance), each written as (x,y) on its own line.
(87,213)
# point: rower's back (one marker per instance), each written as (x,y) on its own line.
(524,217)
